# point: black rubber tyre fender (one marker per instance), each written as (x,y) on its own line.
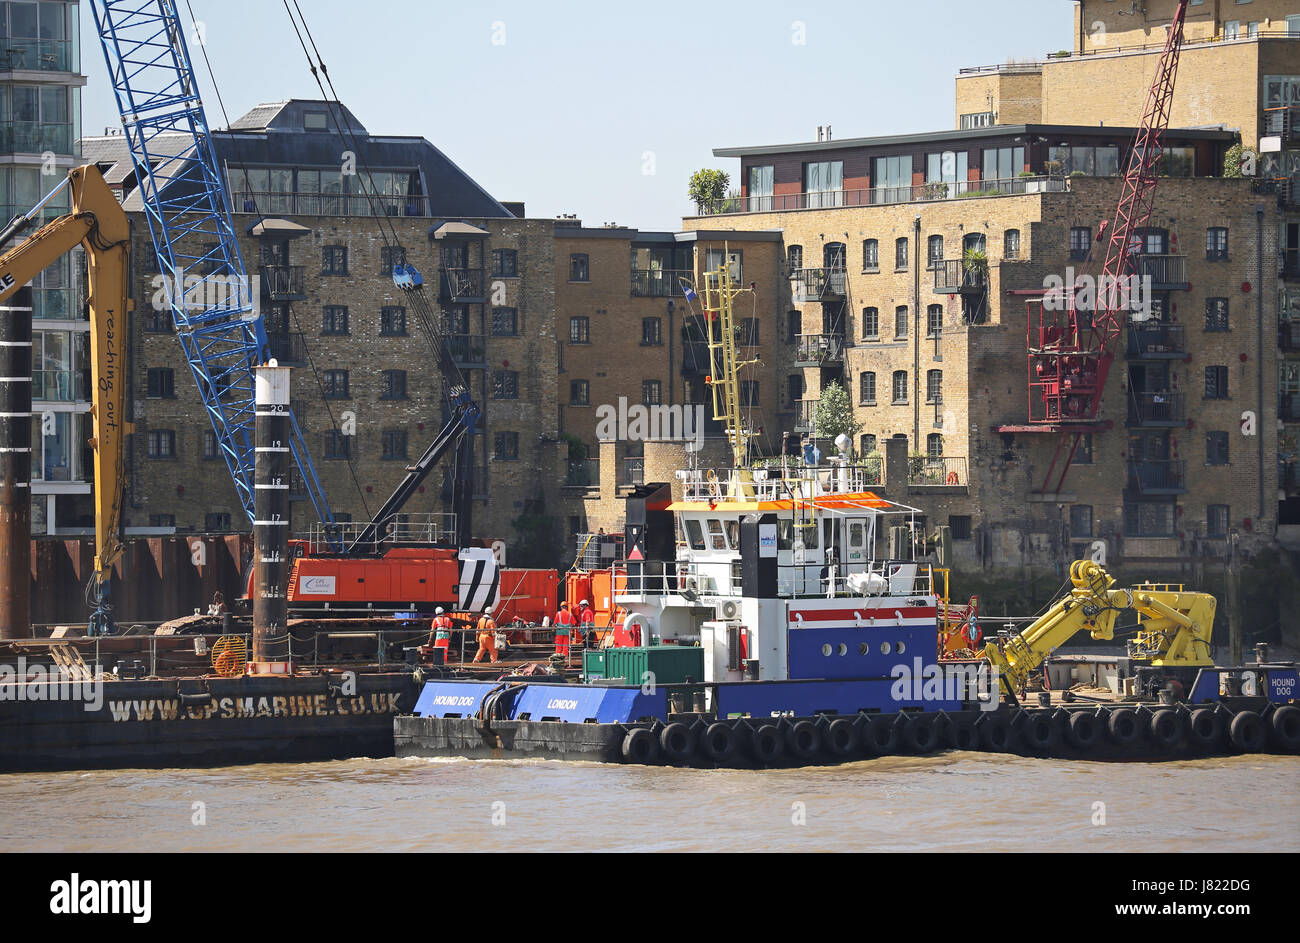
(840,738)
(960,736)
(919,735)
(803,740)
(1123,726)
(1285,724)
(1040,731)
(1166,728)
(880,736)
(719,742)
(1083,730)
(996,734)
(765,744)
(1205,729)
(1247,732)
(640,746)
(677,742)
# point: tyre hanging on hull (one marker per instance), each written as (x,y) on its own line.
(640,746)
(1248,733)
(996,734)
(718,743)
(919,735)
(765,745)
(1083,730)
(803,740)
(677,742)
(1285,724)
(880,735)
(1123,727)
(1205,730)
(841,738)
(1040,732)
(1166,728)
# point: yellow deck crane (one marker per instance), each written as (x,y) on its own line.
(1173,626)
(98,224)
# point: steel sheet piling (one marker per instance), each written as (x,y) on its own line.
(16,465)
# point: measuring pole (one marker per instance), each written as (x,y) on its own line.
(272,458)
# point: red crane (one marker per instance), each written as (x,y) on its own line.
(1070,354)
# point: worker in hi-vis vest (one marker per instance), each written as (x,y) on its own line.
(487,635)
(563,632)
(587,623)
(441,631)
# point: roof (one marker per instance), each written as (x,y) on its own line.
(973,134)
(456,228)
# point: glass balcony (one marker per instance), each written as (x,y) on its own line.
(659,283)
(41,55)
(30,137)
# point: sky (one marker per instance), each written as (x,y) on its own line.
(605,109)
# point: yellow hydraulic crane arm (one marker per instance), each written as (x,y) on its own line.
(1174,626)
(99,225)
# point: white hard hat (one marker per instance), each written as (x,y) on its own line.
(487,610)
(584,603)
(438,611)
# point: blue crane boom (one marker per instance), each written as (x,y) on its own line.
(188,213)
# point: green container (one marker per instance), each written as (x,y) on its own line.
(669,664)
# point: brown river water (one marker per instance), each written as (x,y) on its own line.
(950,802)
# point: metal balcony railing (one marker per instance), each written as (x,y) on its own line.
(1155,340)
(1167,272)
(805,415)
(43,55)
(1288,335)
(819,348)
(633,471)
(583,473)
(1161,476)
(955,275)
(328,204)
(288,348)
(813,284)
(284,282)
(468,350)
(877,196)
(461,283)
(1156,409)
(941,471)
(1283,122)
(659,283)
(404,530)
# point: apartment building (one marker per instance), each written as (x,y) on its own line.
(40,123)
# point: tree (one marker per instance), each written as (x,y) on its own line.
(1239,161)
(834,414)
(708,189)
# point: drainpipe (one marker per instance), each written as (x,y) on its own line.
(1259,355)
(672,375)
(916,333)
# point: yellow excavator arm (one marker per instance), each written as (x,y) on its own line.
(99,225)
(1173,626)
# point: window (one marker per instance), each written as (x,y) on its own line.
(1003,163)
(1149,519)
(158,322)
(977,119)
(651,332)
(505,384)
(390,257)
(1155,241)
(334,260)
(1216,243)
(1080,242)
(713,259)
(1216,448)
(217,521)
(505,447)
(334,319)
(760,188)
(900,253)
(900,321)
(394,445)
(793,259)
(959,525)
(579,330)
(579,392)
(505,263)
(748,332)
(210,450)
(934,252)
(1081,521)
(900,386)
(162,383)
(823,182)
(1232,29)
(505,322)
(793,326)
(793,388)
(337,445)
(1216,520)
(579,269)
(651,392)
(1216,382)
(162,520)
(162,443)
(314,121)
(394,385)
(934,386)
(1100,161)
(749,393)
(947,167)
(870,255)
(892,181)
(392,322)
(867,444)
(867,388)
(1083,450)
(335,384)
(870,322)
(1011,244)
(934,445)
(1216,314)
(934,320)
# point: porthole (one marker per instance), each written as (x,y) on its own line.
(863,648)
(844,649)
(884,648)
(900,648)
(826,649)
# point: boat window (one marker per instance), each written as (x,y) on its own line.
(784,533)
(716,540)
(733,534)
(857,534)
(694,533)
(809,534)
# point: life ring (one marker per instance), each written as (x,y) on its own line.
(714,490)
(952,478)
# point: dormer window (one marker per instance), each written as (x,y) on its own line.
(315,121)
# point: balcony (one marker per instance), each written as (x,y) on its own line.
(805,414)
(955,276)
(461,284)
(60,386)
(659,283)
(288,348)
(468,350)
(1156,409)
(695,359)
(38,55)
(284,282)
(582,473)
(1167,272)
(816,284)
(937,472)
(1165,476)
(1288,407)
(817,349)
(882,196)
(1288,335)
(633,472)
(1283,122)
(29,137)
(328,204)
(1289,266)
(1156,341)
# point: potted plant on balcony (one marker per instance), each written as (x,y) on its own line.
(708,190)
(975,265)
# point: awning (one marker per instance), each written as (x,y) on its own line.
(275,226)
(456,229)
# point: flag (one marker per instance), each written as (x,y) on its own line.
(689,292)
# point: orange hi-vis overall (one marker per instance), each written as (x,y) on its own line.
(563,632)
(442,632)
(487,635)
